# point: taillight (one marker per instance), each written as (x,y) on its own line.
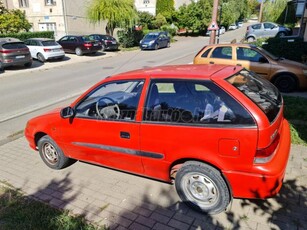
(88,45)
(265,155)
(47,50)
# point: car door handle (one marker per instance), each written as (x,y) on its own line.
(125,135)
(212,62)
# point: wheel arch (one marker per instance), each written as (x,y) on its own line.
(38,136)
(276,75)
(176,165)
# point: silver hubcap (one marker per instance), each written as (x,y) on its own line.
(200,189)
(50,153)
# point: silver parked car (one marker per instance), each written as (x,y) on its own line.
(265,30)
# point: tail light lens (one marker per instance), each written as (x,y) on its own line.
(88,45)
(265,155)
(13,51)
(47,50)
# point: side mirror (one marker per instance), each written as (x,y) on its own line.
(67,112)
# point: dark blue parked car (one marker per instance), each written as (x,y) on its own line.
(155,40)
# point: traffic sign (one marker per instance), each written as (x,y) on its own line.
(213,26)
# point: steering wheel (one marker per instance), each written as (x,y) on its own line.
(111,110)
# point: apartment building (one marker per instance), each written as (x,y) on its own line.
(61,16)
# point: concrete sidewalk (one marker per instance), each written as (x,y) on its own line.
(124,201)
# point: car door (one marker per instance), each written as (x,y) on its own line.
(187,119)
(221,55)
(270,29)
(104,129)
(64,42)
(253,60)
(30,44)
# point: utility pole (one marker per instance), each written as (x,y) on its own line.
(214,19)
(261,11)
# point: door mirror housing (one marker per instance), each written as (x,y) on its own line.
(67,112)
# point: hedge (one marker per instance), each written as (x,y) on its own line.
(292,48)
(26,35)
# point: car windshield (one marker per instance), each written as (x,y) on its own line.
(50,43)
(264,94)
(268,53)
(151,36)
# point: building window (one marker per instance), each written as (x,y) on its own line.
(146,1)
(23,3)
(50,2)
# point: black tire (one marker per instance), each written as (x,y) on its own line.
(51,154)
(41,57)
(202,187)
(285,83)
(281,34)
(251,39)
(28,65)
(79,51)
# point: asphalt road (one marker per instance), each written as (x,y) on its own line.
(28,92)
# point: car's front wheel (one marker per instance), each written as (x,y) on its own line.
(285,83)
(51,153)
(78,51)
(202,187)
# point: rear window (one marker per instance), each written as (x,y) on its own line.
(264,94)
(49,43)
(14,45)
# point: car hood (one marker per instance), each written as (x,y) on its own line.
(289,63)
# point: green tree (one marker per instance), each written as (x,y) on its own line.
(118,13)
(159,21)
(13,21)
(166,8)
(145,19)
(272,10)
(252,7)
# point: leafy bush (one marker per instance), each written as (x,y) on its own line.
(172,30)
(129,38)
(27,35)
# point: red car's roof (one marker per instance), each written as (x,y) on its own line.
(181,71)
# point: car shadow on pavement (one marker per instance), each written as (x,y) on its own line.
(152,208)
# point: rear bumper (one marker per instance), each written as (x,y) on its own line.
(266,179)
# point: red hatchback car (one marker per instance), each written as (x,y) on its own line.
(216,131)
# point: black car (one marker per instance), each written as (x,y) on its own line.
(107,41)
(155,40)
(79,44)
(14,52)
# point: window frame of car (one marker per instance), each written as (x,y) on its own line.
(89,96)
(148,115)
(260,59)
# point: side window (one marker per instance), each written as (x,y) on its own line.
(192,102)
(268,25)
(256,27)
(64,39)
(205,54)
(222,52)
(112,101)
(249,55)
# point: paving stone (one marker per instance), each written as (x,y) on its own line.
(146,221)
(178,224)
(160,218)
(159,226)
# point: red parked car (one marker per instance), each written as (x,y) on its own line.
(217,131)
(79,45)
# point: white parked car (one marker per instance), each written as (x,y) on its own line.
(44,49)
(233,27)
(222,30)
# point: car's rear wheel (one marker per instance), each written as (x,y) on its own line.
(41,57)
(156,46)
(250,39)
(285,83)
(79,51)
(202,187)
(51,153)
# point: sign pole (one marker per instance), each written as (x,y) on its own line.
(214,19)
